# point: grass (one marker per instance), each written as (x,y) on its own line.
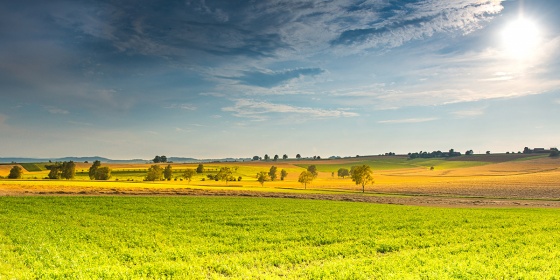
(395,163)
(33,167)
(202,238)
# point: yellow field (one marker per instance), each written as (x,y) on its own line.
(537,178)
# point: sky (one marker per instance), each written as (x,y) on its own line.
(213,79)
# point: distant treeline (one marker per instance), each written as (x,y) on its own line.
(435,154)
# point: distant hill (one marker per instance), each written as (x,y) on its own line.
(75,159)
(102,159)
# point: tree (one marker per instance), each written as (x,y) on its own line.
(93,169)
(68,170)
(343,172)
(225,174)
(55,171)
(256,157)
(155,173)
(65,170)
(298,156)
(272,173)
(200,169)
(285,156)
(554,152)
(168,172)
(283,174)
(469,152)
(276,157)
(266,157)
(487,152)
(159,159)
(362,175)
(313,170)
(188,174)
(16,173)
(102,173)
(305,178)
(262,177)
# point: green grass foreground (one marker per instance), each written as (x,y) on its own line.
(221,237)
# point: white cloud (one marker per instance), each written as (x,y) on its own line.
(414,120)
(469,113)
(214,94)
(54,110)
(80,123)
(185,106)
(259,110)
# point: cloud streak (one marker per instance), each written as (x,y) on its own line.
(413,120)
(260,110)
(270,79)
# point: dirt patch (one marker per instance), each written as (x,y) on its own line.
(418,200)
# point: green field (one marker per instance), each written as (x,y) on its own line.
(391,163)
(33,167)
(220,237)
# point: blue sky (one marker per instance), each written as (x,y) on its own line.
(213,79)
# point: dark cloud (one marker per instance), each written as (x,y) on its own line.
(271,79)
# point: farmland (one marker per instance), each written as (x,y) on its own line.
(502,176)
(485,216)
(223,237)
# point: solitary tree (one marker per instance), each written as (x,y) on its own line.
(68,170)
(343,172)
(276,157)
(272,173)
(16,173)
(55,171)
(103,173)
(168,172)
(188,174)
(256,157)
(200,168)
(262,177)
(305,178)
(283,174)
(285,156)
(298,156)
(93,169)
(225,174)
(313,170)
(362,175)
(554,152)
(155,172)
(266,157)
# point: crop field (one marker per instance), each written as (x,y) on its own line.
(127,228)
(502,176)
(224,237)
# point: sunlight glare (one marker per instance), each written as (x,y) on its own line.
(521,38)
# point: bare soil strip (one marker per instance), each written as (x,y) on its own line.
(433,201)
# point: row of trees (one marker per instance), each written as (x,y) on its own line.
(361,175)
(276,157)
(435,154)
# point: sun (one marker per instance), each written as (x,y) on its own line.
(521,38)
